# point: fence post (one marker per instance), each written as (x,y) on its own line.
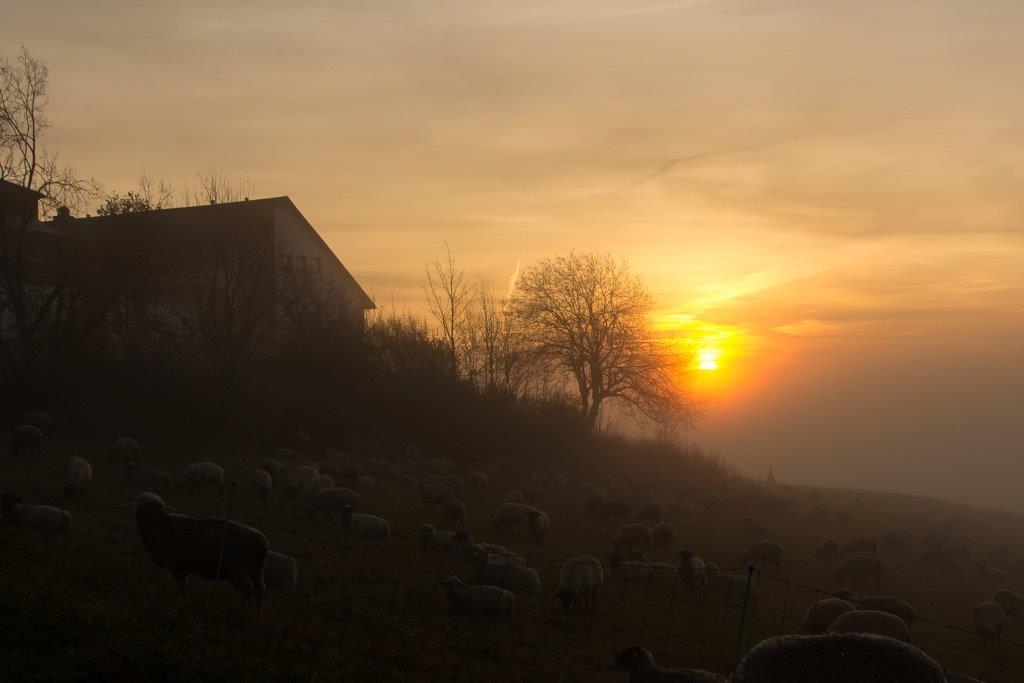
(743,618)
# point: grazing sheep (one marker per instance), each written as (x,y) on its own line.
(691,570)
(125,450)
(320,481)
(443,541)
(507,575)
(454,511)
(579,581)
(26,441)
(435,494)
(42,519)
(757,528)
(77,475)
(765,553)
(200,475)
(630,570)
(479,481)
(662,536)
(331,500)
(870,621)
(1012,603)
(594,500)
(499,553)
(514,497)
(837,658)
(148,478)
(649,513)
(215,549)
(725,584)
(887,603)
(260,484)
(37,418)
(478,600)
(538,525)
(271,467)
(828,549)
(822,613)
(509,515)
(362,525)
(642,669)
(989,619)
(633,537)
(861,566)
(613,509)
(859,545)
(299,477)
(280,572)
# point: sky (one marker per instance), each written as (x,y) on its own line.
(824,196)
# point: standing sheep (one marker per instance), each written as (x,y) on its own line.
(478,600)
(514,497)
(989,618)
(454,511)
(42,519)
(125,450)
(662,536)
(331,500)
(260,484)
(151,479)
(861,566)
(435,493)
(506,575)
(362,525)
(509,515)
(764,552)
(317,483)
(537,526)
(215,549)
(77,475)
(1011,602)
(200,475)
(870,621)
(26,441)
(580,580)
(633,536)
(822,613)
(298,478)
(280,572)
(691,570)
(479,481)
(837,658)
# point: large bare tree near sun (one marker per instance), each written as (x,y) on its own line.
(586,315)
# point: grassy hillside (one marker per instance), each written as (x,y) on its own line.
(95,605)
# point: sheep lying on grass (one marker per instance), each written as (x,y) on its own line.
(478,600)
(213,548)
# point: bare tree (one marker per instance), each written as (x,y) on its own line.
(449,299)
(499,355)
(213,187)
(149,195)
(36,266)
(586,315)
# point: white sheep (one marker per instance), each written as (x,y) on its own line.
(432,539)
(331,500)
(478,600)
(870,621)
(42,519)
(125,450)
(642,669)
(149,478)
(514,576)
(317,483)
(479,480)
(1011,602)
(299,477)
(281,572)
(26,440)
(435,493)
(763,552)
(260,484)
(989,620)
(691,570)
(363,525)
(509,515)
(537,526)
(861,566)
(822,613)
(454,511)
(633,536)
(77,475)
(580,580)
(200,475)
(662,536)
(887,603)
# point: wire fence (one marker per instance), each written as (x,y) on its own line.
(387,596)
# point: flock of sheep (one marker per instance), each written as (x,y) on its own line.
(834,629)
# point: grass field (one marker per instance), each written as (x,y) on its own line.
(94,605)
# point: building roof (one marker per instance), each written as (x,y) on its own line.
(173,229)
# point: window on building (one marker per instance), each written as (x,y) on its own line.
(285,262)
(300,263)
(315,264)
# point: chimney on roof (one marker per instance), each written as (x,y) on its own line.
(63,215)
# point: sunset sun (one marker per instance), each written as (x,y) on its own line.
(707,359)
